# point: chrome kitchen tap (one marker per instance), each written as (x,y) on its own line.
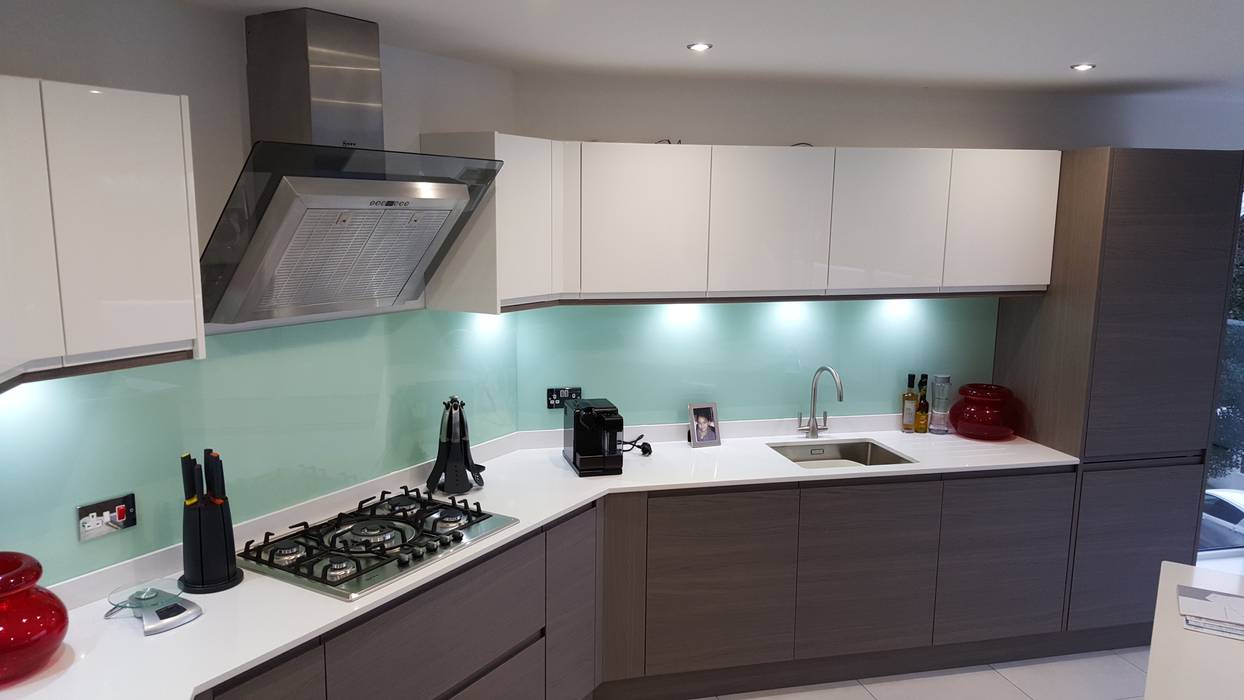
(815,427)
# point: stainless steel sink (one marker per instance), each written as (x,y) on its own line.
(820,455)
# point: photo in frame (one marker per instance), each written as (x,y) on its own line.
(705,429)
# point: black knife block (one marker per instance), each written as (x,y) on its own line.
(208,553)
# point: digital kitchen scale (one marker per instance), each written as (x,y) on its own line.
(157,603)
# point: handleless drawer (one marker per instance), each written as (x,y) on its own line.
(519,678)
(445,635)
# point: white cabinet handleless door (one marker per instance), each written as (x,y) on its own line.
(769,220)
(889,222)
(31,336)
(1000,226)
(567,161)
(645,220)
(524,218)
(122,211)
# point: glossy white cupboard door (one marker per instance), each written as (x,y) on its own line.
(645,220)
(122,214)
(567,160)
(524,200)
(769,219)
(31,336)
(889,219)
(1000,226)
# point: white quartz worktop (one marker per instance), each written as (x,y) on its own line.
(263,617)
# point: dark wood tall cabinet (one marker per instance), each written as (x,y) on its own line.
(1118,360)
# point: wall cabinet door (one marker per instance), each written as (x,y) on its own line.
(524,201)
(1002,569)
(867,568)
(298,678)
(570,627)
(769,220)
(1000,223)
(1166,270)
(889,224)
(488,611)
(1130,521)
(122,209)
(645,220)
(567,162)
(721,579)
(31,336)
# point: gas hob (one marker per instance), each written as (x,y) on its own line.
(383,539)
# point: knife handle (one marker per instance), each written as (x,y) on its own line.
(187,478)
(198,482)
(214,476)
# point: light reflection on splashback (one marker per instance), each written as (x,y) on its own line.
(302,411)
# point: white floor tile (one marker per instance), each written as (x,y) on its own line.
(1097,676)
(976,683)
(1136,656)
(848,690)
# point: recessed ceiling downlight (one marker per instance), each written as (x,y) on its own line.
(700,46)
(1083,67)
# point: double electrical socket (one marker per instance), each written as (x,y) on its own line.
(559,395)
(106,517)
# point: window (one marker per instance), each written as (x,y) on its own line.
(1226,455)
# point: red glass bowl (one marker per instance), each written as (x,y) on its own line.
(33,620)
(986,412)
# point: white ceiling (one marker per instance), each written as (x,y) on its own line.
(978,43)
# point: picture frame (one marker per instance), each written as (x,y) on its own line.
(705,428)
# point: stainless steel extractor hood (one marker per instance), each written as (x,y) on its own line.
(321,223)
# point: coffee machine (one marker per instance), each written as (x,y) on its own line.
(591,437)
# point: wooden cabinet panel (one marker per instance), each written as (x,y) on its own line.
(1170,229)
(299,678)
(622,574)
(123,216)
(645,219)
(1000,222)
(889,229)
(721,579)
(769,221)
(570,625)
(1002,569)
(488,610)
(1130,521)
(867,567)
(31,336)
(519,678)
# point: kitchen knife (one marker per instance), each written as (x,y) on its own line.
(215,475)
(198,482)
(187,478)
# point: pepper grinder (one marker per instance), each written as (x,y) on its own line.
(208,553)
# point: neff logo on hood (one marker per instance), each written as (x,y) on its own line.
(389,203)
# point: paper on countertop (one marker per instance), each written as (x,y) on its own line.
(1212,612)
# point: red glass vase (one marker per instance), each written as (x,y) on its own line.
(32,618)
(986,412)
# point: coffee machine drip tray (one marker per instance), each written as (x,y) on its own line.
(592,436)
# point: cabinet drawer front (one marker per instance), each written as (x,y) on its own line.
(477,616)
(299,678)
(519,678)
(867,568)
(570,630)
(1131,520)
(1002,568)
(721,580)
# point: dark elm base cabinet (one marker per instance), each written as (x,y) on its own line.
(1002,569)
(300,677)
(1131,520)
(867,567)
(721,579)
(520,678)
(570,648)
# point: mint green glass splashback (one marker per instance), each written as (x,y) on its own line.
(753,360)
(302,411)
(295,412)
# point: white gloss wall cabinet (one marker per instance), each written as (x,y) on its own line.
(567,161)
(769,220)
(645,210)
(889,220)
(1000,223)
(31,335)
(123,213)
(506,255)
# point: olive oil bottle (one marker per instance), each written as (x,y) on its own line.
(910,401)
(922,406)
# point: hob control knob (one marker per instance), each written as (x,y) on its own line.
(417,552)
(457,535)
(432,546)
(444,540)
(403,559)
